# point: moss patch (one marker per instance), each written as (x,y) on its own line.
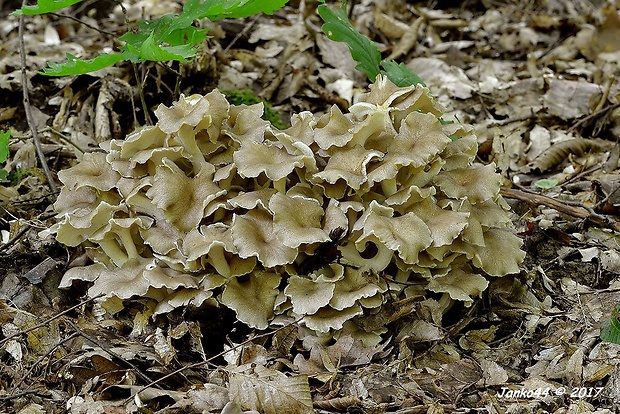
(247,97)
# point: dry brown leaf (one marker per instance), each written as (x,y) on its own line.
(559,152)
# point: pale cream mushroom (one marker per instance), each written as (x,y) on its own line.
(213,206)
(210,242)
(117,238)
(349,165)
(93,171)
(245,125)
(253,297)
(297,220)
(333,129)
(135,277)
(476,183)
(253,235)
(183,199)
(253,159)
(308,296)
(407,234)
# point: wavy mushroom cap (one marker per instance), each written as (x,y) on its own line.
(214,205)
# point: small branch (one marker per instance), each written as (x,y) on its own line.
(41,359)
(247,27)
(108,351)
(580,212)
(90,26)
(47,321)
(145,108)
(27,108)
(15,238)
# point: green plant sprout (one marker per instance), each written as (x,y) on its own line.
(610,332)
(546,183)
(168,38)
(4,152)
(363,50)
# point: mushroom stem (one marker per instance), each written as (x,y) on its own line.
(446,302)
(389,187)
(280,185)
(141,204)
(113,251)
(219,215)
(218,260)
(126,239)
(401,276)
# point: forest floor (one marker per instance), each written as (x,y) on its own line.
(537,80)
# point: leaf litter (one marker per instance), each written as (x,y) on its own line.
(536,79)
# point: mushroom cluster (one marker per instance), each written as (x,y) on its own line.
(212,205)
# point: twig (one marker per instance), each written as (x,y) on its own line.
(109,351)
(26,99)
(21,394)
(47,354)
(18,236)
(608,84)
(145,108)
(90,26)
(207,361)
(575,211)
(593,115)
(47,321)
(247,27)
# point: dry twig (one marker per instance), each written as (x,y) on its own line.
(27,108)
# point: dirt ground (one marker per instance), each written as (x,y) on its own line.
(537,80)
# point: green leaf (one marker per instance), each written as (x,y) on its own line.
(150,50)
(233,9)
(610,332)
(4,145)
(546,183)
(338,28)
(171,37)
(75,66)
(45,6)
(400,74)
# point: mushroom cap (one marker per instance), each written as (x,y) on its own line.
(297,220)
(213,205)
(254,235)
(183,199)
(93,171)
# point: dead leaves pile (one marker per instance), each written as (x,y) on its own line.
(537,79)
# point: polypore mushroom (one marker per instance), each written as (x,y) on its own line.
(333,129)
(297,220)
(210,242)
(476,183)
(306,221)
(254,158)
(183,199)
(407,234)
(460,285)
(355,285)
(93,171)
(253,297)
(308,296)
(253,235)
(135,277)
(349,166)
(79,225)
(116,238)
